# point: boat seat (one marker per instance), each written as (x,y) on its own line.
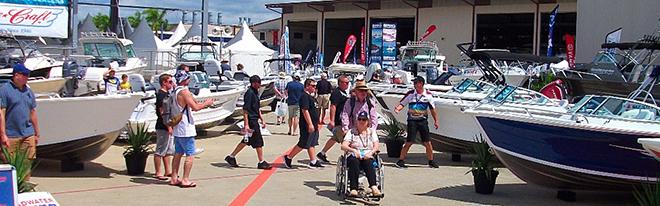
(641,114)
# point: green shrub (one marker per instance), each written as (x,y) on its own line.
(23,165)
(138,140)
(648,194)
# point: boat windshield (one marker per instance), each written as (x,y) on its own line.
(197,56)
(419,54)
(130,51)
(103,50)
(472,86)
(618,107)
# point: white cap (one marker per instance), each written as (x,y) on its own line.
(359,77)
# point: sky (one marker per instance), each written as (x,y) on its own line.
(231,9)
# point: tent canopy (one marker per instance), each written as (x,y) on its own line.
(88,25)
(245,49)
(144,40)
(178,34)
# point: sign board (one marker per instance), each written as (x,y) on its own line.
(389,44)
(8,185)
(376,45)
(36,199)
(38,18)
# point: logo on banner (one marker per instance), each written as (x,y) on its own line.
(29,16)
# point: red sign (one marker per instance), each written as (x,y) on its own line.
(428,32)
(363,55)
(276,38)
(570,50)
(350,42)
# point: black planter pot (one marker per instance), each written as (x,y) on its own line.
(135,163)
(482,184)
(394,148)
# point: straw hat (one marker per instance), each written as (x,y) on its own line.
(282,75)
(361,85)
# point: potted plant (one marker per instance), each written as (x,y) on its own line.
(138,149)
(23,167)
(648,193)
(394,137)
(482,167)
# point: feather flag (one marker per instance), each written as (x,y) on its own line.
(553,15)
(350,42)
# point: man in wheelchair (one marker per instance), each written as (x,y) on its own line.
(361,144)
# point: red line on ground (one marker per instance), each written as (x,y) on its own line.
(257,183)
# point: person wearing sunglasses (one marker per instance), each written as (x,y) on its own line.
(338,98)
(309,127)
(164,139)
(360,145)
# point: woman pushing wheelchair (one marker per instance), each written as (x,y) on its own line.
(361,145)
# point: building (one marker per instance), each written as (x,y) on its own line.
(518,25)
(268,32)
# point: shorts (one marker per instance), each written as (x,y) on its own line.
(256,140)
(323,101)
(184,145)
(28,143)
(338,134)
(294,111)
(164,143)
(308,140)
(420,126)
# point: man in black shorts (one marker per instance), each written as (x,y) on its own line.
(309,126)
(338,98)
(251,116)
(419,102)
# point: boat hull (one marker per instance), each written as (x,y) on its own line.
(81,128)
(569,158)
(44,86)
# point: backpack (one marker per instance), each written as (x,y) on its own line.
(352,102)
(171,115)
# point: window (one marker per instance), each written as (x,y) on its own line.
(312,36)
(262,36)
(297,35)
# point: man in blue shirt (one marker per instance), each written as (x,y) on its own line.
(294,91)
(18,123)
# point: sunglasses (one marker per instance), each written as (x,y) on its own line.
(312,85)
(363,119)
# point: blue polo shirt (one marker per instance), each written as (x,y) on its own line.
(295,90)
(18,104)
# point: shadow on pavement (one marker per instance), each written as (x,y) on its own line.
(148,181)
(330,194)
(51,168)
(525,194)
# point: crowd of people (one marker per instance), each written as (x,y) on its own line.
(352,115)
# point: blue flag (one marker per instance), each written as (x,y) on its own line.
(553,15)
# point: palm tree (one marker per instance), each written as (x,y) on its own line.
(101,21)
(155,19)
(135,19)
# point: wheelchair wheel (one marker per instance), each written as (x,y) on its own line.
(381,176)
(339,179)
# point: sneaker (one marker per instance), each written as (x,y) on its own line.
(198,151)
(231,161)
(287,162)
(375,191)
(400,164)
(432,164)
(318,164)
(263,165)
(322,157)
(353,193)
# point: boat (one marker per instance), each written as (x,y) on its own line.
(457,130)
(224,104)
(591,146)
(651,145)
(92,124)
(617,70)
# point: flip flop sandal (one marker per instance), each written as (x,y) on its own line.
(160,177)
(175,184)
(191,185)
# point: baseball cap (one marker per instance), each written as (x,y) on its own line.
(255,79)
(20,68)
(181,75)
(419,79)
(363,115)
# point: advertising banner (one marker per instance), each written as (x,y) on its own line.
(376,46)
(363,53)
(8,185)
(570,50)
(389,44)
(36,199)
(551,28)
(350,42)
(38,18)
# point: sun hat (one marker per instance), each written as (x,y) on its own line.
(361,85)
(282,75)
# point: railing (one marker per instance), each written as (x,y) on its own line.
(98,35)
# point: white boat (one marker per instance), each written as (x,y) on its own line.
(79,129)
(224,104)
(50,85)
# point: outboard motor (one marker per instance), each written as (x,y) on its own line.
(137,82)
(70,73)
(554,90)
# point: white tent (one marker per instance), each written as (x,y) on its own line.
(87,25)
(127,29)
(245,49)
(178,34)
(194,34)
(147,45)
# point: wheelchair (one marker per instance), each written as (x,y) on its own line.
(342,185)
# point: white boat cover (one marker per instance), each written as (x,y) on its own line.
(178,34)
(245,49)
(87,25)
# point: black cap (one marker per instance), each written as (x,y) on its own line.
(419,79)
(255,79)
(363,115)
